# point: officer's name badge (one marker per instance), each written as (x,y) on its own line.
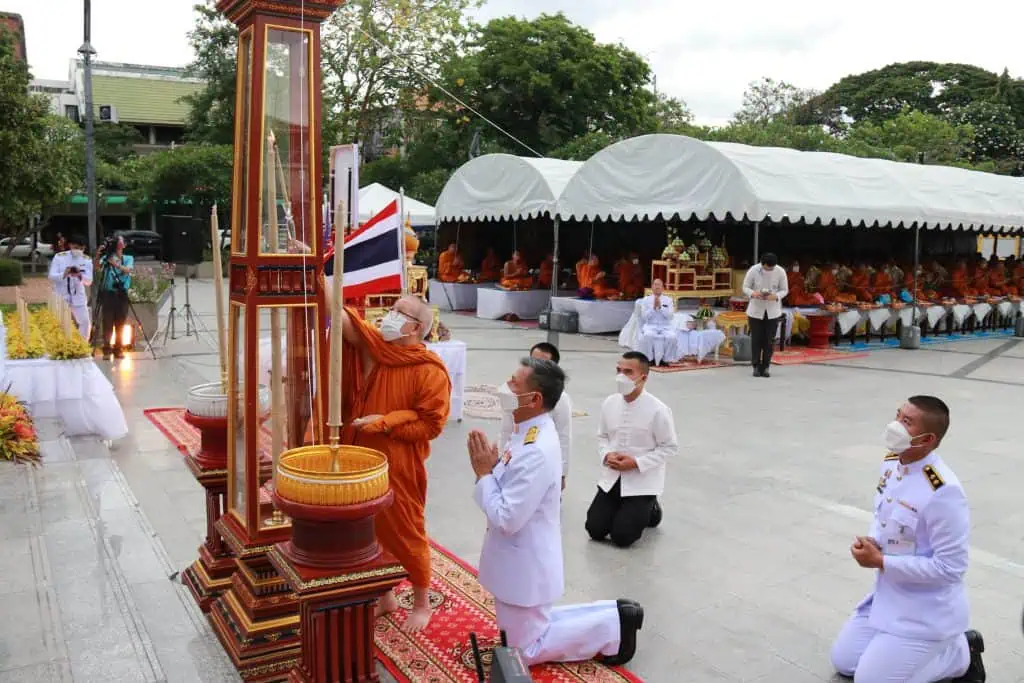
(531,435)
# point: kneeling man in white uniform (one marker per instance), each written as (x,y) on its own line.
(658,337)
(912,628)
(519,489)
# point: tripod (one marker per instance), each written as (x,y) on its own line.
(97,310)
(193,323)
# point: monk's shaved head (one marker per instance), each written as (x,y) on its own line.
(415,308)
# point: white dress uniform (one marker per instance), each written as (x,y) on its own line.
(521,560)
(72,289)
(658,338)
(911,627)
(561,414)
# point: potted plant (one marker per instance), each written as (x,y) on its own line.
(150,289)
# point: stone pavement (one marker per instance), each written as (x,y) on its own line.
(747,579)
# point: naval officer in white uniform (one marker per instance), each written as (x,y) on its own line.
(519,490)
(71,275)
(912,628)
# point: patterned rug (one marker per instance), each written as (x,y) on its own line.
(688,364)
(171,423)
(798,355)
(930,340)
(442,653)
(481,401)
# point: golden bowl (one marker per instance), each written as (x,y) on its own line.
(304,475)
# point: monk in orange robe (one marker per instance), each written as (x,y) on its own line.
(827,285)
(583,272)
(547,272)
(396,400)
(997,284)
(1017,277)
(960,282)
(882,282)
(798,295)
(631,277)
(450,265)
(979,278)
(860,284)
(515,275)
(490,269)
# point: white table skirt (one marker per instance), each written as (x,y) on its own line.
(454,296)
(493,303)
(452,353)
(73,390)
(596,316)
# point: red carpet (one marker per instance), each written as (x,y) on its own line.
(441,653)
(798,355)
(691,364)
(171,423)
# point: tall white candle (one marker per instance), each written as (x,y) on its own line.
(218,291)
(337,310)
(277,406)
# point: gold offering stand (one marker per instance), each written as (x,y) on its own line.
(272,286)
(695,272)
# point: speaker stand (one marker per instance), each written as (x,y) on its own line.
(193,323)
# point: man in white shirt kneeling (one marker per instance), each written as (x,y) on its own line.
(635,436)
(561,414)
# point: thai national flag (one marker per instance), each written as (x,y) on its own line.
(373,256)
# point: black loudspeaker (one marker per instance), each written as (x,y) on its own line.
(183,240)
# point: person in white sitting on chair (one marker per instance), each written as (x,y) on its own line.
(658,339)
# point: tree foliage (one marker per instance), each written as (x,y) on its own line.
(214,42)
(40,154)
(767,100)
(198,174)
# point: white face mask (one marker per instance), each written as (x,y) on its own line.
(796,269)
(391,326)
(509,401)
(897,438)
(77,253)
(636,261)
(624,385)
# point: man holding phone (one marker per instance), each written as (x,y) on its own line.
(767,286)
(71,275)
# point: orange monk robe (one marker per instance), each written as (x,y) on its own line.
(798,295)
(997,279)
(516,276)
(585,274)
(449,266)
(827,286)
(882,283)
(603,290)
(1018,279)
(860,285)
(490,269)
(979,280)
(547,273)
(410,388)
(960,282)
(630,277)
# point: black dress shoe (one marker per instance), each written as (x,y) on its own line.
(631,620)
(757,372)
(765,373)
(976,670)
(655,515)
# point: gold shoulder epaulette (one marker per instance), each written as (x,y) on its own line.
(892,456)
(933,477)
(531,435)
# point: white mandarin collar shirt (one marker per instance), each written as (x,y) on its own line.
(643,429)
(657,317)
(760,280)
(71,289)
(561,415)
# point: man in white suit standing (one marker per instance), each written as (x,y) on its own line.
(766,285)
(519,490)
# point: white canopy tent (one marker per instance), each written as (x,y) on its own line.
(374,197)
(668,175)
(504,187)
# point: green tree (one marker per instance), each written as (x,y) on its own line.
(193,173)
(910,133)
(548,81)
(995,131)
(40,153)
(583,147)
(214,42)
(767,100)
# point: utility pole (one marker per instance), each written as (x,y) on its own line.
(87,53)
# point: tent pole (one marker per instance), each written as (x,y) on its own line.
(757,240)
(555,272)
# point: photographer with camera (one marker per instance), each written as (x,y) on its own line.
(115,269)
(71,275)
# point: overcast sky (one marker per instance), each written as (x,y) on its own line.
(704,53)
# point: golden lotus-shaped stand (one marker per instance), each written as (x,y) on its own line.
(332,475)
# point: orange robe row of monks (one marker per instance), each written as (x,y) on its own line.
(835,283)
(515,274)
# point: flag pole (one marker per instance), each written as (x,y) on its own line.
(401,240)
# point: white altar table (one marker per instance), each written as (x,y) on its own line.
(596,316)
(493,303)
(454,296)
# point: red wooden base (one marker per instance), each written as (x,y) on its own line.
(336,603)
(257,618)
(821,330)
(213,435)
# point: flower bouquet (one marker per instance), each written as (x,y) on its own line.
(18,439)
(46,338)
(150,283)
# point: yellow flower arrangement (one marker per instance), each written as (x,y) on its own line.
(46,338)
